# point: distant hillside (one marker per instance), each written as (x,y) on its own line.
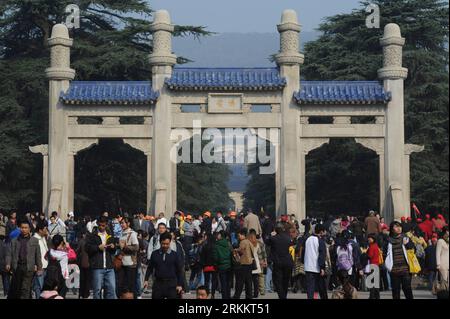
(233,49)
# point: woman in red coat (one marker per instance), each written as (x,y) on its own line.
(375,258)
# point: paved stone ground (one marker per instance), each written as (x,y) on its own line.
(418,294)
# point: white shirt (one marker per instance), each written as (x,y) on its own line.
(44,249)
(214,227)
(196,224)
(312,254)
(103,238)
(130,238)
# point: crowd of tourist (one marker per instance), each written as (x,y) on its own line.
(220,255)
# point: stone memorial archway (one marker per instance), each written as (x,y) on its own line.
(225,99)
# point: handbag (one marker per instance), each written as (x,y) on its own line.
(439,285)
(117,261)
(380,257)
(236,258)
(414,266)
(299,267)
(254,266)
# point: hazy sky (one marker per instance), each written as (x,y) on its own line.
(250,15)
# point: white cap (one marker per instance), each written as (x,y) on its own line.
(71,214)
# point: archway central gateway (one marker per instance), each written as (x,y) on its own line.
(225,98)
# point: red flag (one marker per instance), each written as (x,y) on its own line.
(416,210)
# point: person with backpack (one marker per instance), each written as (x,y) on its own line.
(222,256)
(345,240)
(315,256)
(344,254)
(417,237)
(397,261)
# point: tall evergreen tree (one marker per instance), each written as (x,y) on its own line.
(348,50)
(259,194)
(112,43)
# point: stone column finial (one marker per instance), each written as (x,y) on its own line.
(289,30)
(392,43)
(162,40)
(60,44)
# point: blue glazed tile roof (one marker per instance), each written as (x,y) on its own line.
(226,79)
(109,92)
(341,92)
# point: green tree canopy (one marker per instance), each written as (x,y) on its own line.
(112,43)
(347,50)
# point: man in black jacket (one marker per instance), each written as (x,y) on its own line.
(174,222)
(282,261)
(167,266)
(100,247)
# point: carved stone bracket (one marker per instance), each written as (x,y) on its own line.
(39,149)
(374,144)
(413,148)
(143,145)
(77,145)
(309,144)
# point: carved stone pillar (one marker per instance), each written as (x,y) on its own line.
(393,75)
(59,75)
(289,60)
(162,60)
(409,149)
